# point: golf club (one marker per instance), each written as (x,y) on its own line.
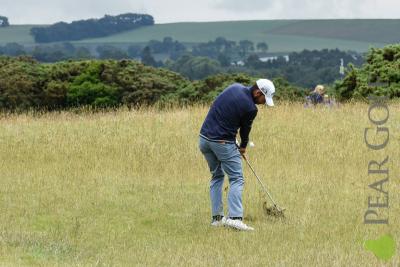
(274,210)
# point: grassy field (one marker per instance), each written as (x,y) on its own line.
(274,32)
(281,35)
(16,34)
(368,30)
(130,188)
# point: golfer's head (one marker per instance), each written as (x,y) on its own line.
(267,89)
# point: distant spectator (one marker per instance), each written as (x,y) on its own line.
(317,96)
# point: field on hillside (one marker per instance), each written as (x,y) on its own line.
(281,35)
(130,188)
(373,30)
(263,31)
(16,34)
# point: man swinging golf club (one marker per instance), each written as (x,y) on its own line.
(235,108)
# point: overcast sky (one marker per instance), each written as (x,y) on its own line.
(164,11)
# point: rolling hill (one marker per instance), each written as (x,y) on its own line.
(281,35)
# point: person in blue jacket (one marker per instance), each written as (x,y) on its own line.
(234,109)
(317,96)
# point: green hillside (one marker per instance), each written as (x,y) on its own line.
(281,35)
(16,33)
(194,32)
(372,30)
(255,31)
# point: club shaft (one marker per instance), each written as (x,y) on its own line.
(259,180)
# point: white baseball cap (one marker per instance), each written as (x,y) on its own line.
(268,89)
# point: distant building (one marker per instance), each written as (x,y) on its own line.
(269,59)
(341,69)
(239,63)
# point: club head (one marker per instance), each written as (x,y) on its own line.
(273,211)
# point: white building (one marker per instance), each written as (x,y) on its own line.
(266,59)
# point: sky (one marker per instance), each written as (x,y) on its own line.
(166,11)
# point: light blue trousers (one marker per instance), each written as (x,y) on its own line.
(224,157)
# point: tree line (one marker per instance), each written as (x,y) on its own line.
(91,28)
(202,60)
(4,22)
(26,83)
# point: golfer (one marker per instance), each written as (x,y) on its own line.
(235,108)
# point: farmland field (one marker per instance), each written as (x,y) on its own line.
(281,35)
(385,31)
(131,188)
(16,34)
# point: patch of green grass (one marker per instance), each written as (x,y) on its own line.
(35,247)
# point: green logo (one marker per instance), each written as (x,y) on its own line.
(383,248)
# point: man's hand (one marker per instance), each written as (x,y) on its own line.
(242,150)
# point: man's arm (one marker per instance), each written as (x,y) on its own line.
(245,127)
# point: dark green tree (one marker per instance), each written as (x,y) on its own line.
(13,49)
(82,53)
(110,52)
(91,28)
(89,89)
(196,68)
(263,47)
(246,46)
(4,21)
(379,75)
(253,61)
(147,58)
(224,60)
(134,51)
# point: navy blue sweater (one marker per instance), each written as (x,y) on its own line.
(234,108)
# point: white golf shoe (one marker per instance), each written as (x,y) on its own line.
(238,225)
(219,223)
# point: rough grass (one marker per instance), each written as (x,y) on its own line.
(131,188)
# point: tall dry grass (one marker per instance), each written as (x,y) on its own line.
(131,188)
